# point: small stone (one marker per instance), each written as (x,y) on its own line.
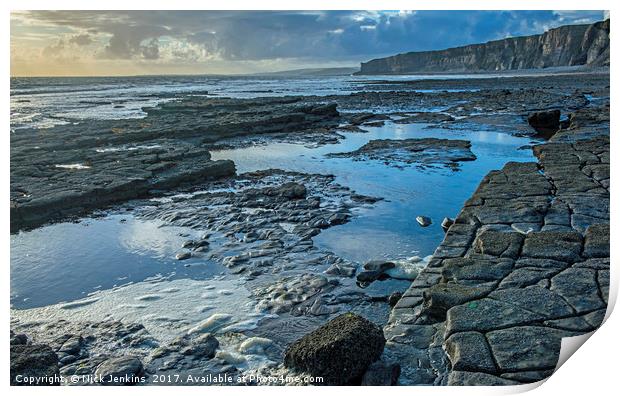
(183,256)
(424,221)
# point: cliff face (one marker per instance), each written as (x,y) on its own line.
(569,45)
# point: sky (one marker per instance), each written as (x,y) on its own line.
(95,43)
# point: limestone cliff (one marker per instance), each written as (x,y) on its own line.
(569,45)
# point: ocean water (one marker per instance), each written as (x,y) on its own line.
(42,102)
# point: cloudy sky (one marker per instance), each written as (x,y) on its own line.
(224,42)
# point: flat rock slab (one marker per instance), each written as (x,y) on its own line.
(469,351)
(525,347)
(487,314)
(427,151)
(564,246)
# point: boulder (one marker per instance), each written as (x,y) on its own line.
(545,122)
(340,351)
(35,360)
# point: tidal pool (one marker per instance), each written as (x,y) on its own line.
(389,230)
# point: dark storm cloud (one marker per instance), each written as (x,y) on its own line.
(245,35)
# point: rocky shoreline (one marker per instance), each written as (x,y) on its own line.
(525,263)
(526,260)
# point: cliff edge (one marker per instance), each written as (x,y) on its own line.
(570,45)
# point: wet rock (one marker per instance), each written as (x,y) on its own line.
(340,351)
(438,299)
(381,374)
(525,348)
(340,270)
(327,109)
(425,117)
(18,339)
(34,360)
(125,370)
(469,351)
(394,297)
(289,190)
(487,314)
(527,377)
(499,244)
(596,242)
(200,346)
(183,256)
(378,265)
(466,378)
(424,221)
(564,246)
(545,122)
(446,223)
(578,287)
(68,359)
(338,218)
(72,345)
(366,277)
(475,269)
(427,151)
(535,299)
(374,270)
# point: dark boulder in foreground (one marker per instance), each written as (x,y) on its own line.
(35,361)
(340,351)
(545,122)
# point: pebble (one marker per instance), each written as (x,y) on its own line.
(424,221)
